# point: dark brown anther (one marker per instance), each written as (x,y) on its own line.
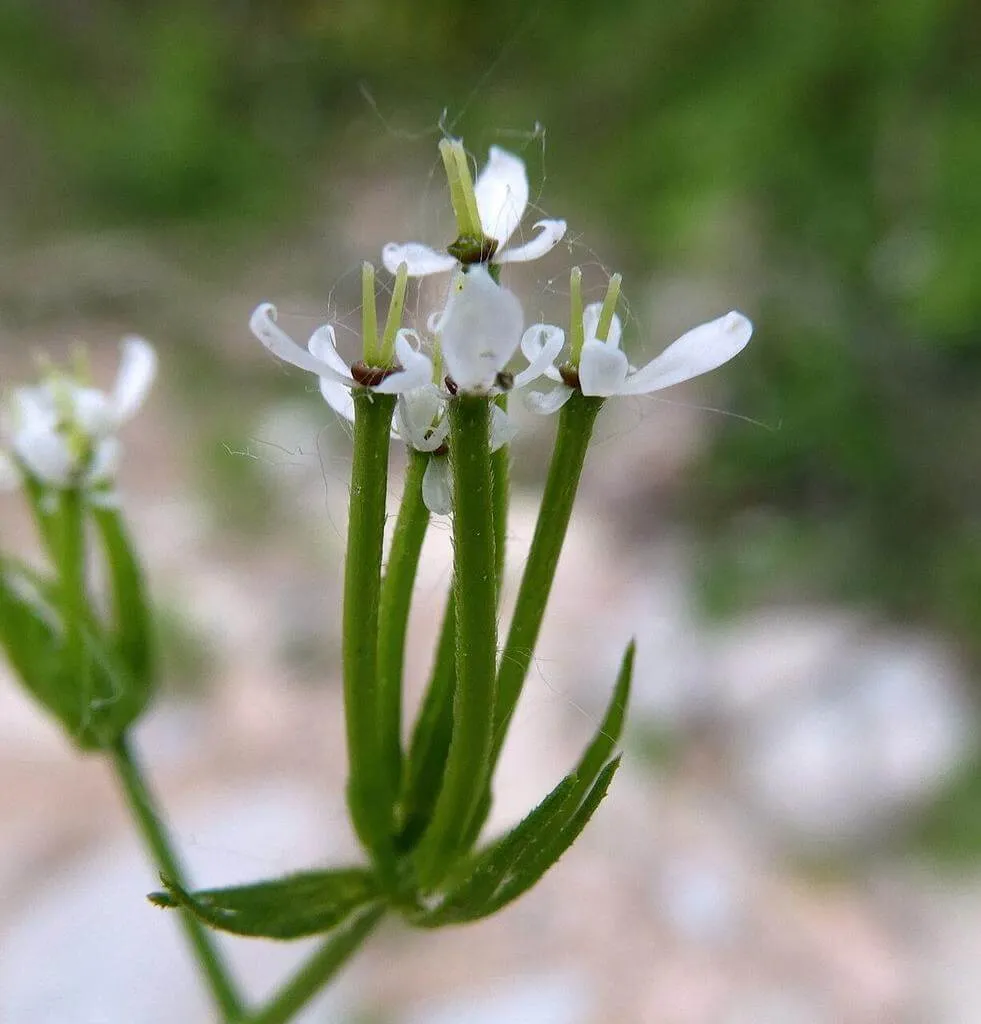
(372,376)
(505,380)
(570,375)
(450,385)
(470,249)
(443,449)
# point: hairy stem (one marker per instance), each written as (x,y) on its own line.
(151,828)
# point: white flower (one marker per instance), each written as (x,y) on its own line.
(336,378)
(63,432)
(479,330)
(604,370)
(501,191)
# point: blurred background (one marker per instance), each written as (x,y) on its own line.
(795,837)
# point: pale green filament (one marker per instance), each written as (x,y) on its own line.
(609,308)
(461,187)
(466,184)
(394,320)
(575,316)
(369,315)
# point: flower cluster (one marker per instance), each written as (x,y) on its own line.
(62,432)
(474,335)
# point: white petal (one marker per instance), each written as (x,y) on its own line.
(480,331)
(91,411)
(417,367)
(590,321)
(338,397)
(503,429)
(699,350)
(414,417)
(105,461)
(541,345)
(419,258)
(263,325)
(9,473)
(549,235)
(30,409)
(437,486)
(502,194)
(602,369)
(137,372)
(46,455)
(544,403)
(323,346)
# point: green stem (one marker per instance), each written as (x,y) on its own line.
(393,614)
(319,970)
(475,600)
(70,560)
(370,795)
(575,429)
(151,827)
(430,737)
(501,475)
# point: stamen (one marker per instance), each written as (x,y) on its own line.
(609,308)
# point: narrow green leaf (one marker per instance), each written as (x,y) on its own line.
(133,633)
(523,880)
(537,842)
(487,870)
(33,638)
(610,729)
(285,908)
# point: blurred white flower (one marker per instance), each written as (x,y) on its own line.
(62,432)
(604,370)
(501,191)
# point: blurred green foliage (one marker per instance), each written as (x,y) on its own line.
(819,157)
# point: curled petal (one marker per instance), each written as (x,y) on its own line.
(550,233)
(137,371)
(263,325)
(602,369)
(480,330)
(323,346)
(699,350)
(590,322)
(418,258)
(417,367)
(541,345)
(544,403)
(502,428)
(437,486)
(501,191)
(46,455)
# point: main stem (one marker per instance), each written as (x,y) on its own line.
(475,602)
(319,970)
(151,827)
(393,616)
(370,793)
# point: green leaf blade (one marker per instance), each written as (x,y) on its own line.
(308,903)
